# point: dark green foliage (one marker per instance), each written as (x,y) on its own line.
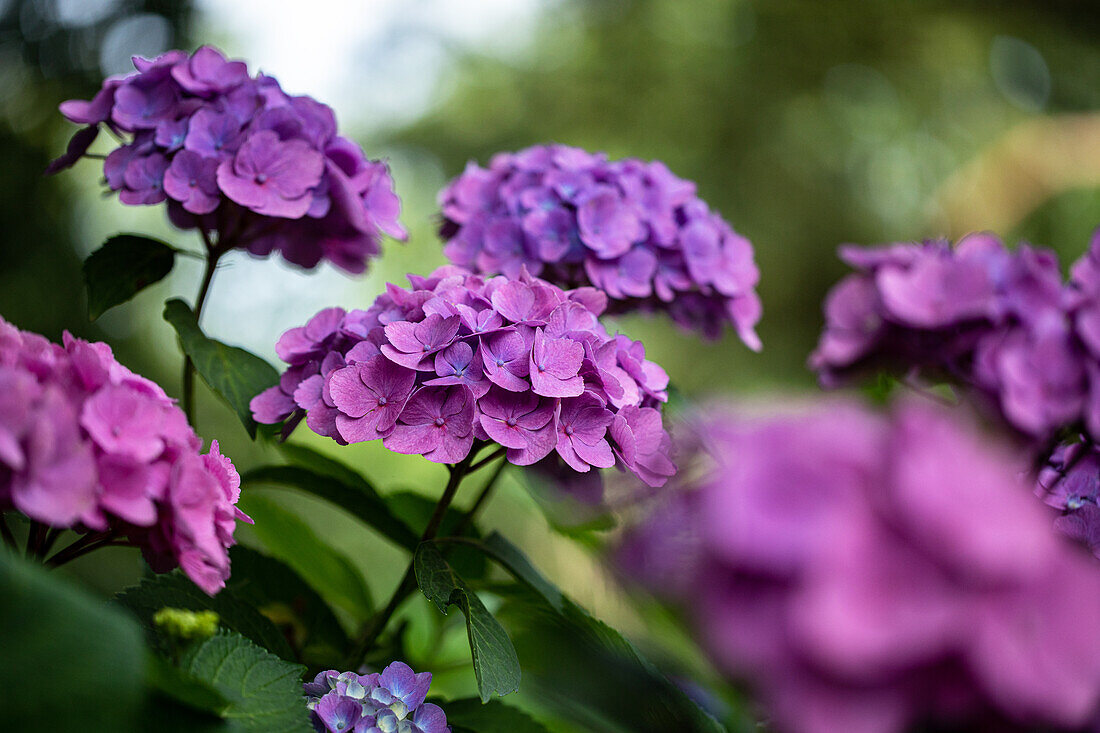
(234,374)
(175,590)
(55,631)
(359,498)
(264,693)
(327,570)
(124,266)
(470,715)
(276,590)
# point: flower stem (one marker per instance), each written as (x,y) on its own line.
(83,546)
(408,581)
(213,253)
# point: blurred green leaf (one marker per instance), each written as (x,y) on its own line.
(264,581)
(175,590)
(123,267)
(495,663)
(416,509)
(593,675)
(234,374)
(52,628)
(358,499)
(291,540)
(471,715)
(170,681)
(263,691)
(318,462)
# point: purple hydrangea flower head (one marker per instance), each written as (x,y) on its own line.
(460,359)
(627,227)
(998,322)
(87,445)
(849,583)
(235,155)
(391,701)
(1070,482)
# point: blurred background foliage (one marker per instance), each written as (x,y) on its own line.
(806,123)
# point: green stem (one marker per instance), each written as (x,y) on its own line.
(408,581)
(213,254)
(83,546)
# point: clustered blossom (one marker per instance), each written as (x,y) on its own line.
(1070,482)
(866,573)
(388,702)
(460,358)
(627,227)
(1002,323)
(88,445)
(235,154)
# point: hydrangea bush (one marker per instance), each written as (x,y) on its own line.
(628,227)
(862,570)
(848,582)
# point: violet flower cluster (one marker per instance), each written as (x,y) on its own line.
(235,154)
(1002,323)
(388,702)
(1070,482)
(866,572)
(88,445)
(460,357)
(627,227)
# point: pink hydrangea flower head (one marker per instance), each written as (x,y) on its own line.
(630,228)
(87,445)
(236,155)
(460,359)
(876,571)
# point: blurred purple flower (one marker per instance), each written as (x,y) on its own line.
(831,558)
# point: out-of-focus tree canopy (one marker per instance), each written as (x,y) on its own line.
(806,123)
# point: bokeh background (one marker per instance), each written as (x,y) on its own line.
(806,123)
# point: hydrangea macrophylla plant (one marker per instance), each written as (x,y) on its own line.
(848,581)
(1000,322)
(460,358)
(627,227)
(85,444)
(391,701)
(235,155)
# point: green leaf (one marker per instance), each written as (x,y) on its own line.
(175,590)
(318,462)
(173,683)
(358,499)
(595,676)
(264,693)
(277,591)
(122,267)
(470,715)
(291,540)
(495,663)
(68,660)
(234,374)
